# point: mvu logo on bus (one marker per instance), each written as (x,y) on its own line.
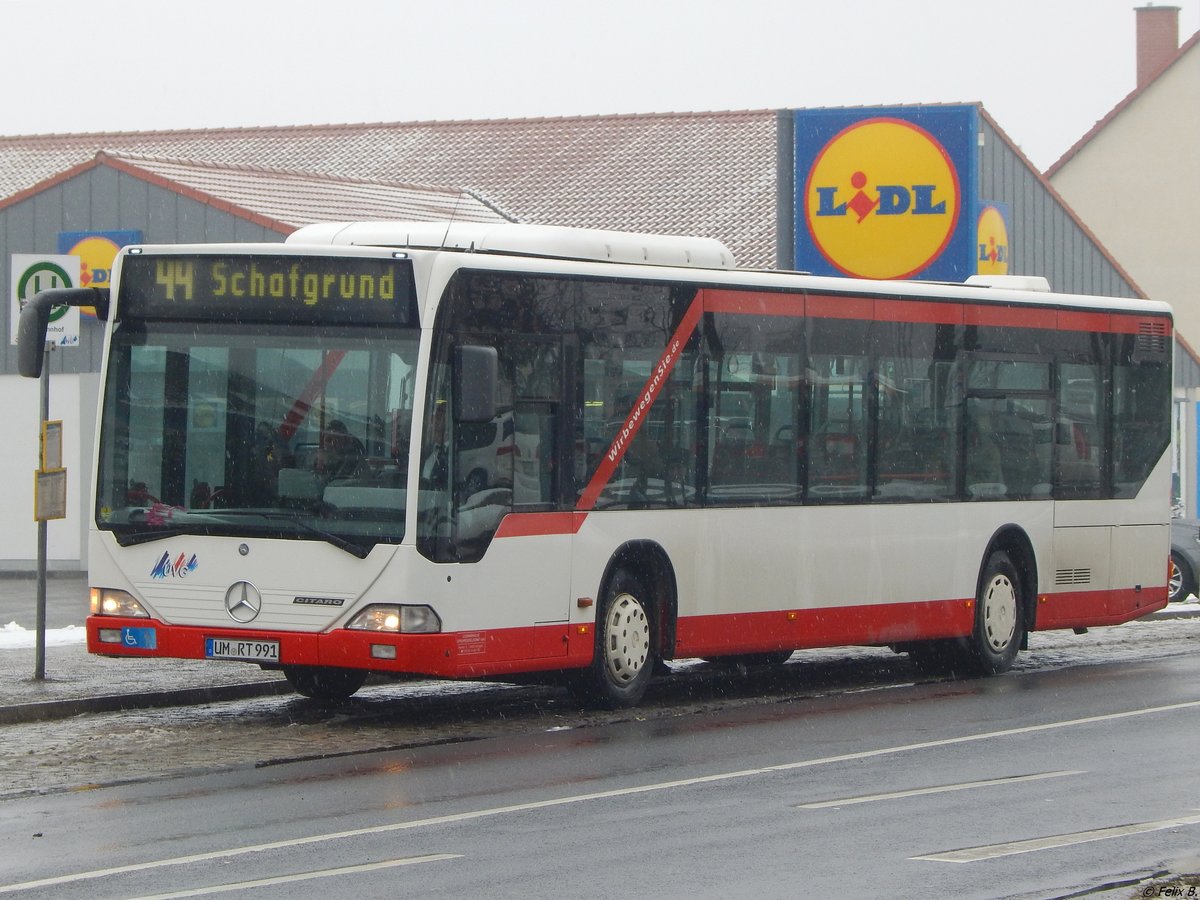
(181,567)
(891,200)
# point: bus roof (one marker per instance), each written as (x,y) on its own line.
(515,241)
(551,241)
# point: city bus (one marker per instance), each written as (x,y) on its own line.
(489,451)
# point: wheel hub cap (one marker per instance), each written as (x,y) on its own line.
(627,639)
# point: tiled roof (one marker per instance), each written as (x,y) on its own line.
(286,200)
(710,174)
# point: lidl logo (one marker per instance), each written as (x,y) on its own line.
(96,251)
(882,199)
(96,255)
(991,242)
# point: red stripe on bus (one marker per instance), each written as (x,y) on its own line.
(839,306)
(923,311)
(822,306)
(564,645)
(540,523)
(1071,320)
(752,303)
(642,404)
(1085,609)
(800,629)
(1011,316)
(1135,324)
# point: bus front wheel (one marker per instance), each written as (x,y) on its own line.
(322,683)
(623,659)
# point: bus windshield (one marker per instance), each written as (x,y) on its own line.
(290,431)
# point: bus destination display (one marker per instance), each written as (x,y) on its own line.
(328,289)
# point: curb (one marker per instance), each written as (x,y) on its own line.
(1168,612)
(47,710)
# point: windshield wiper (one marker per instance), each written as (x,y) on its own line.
(294,519)
(200,526)
(128,539)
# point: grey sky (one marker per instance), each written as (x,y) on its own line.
(1045,69)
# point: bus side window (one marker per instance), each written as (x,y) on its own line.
(754,380)
(1078,435)
(837,462)
(984,463)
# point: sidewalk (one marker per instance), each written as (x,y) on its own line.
(78,682)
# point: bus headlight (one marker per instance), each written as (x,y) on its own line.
(401,619)
(110,602)
(419,620)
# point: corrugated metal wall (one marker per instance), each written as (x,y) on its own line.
(103,199)
(1045,239)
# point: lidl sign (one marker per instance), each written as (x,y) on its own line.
(992,239)
(96,251)
(886,192)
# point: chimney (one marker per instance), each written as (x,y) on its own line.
(1157,40)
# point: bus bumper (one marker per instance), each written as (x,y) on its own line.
(472,654)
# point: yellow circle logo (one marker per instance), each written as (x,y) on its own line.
(96,255)
(882,199)
(992,243)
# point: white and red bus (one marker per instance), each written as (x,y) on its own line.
(470,451)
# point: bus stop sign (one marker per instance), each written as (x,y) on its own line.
(34,273)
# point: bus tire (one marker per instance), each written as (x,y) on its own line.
(324,683)
(623,660)
(999,616)
(1180,580)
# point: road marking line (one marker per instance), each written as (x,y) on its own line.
(303,876)
(585,798)
(940,789)
(992,851)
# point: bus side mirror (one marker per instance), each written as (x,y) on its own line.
(35,319)
(31,336)
(475,374)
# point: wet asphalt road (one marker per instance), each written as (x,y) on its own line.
(830,776)
(66,599)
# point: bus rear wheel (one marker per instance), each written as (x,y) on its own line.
(623,659)
(324,683)
(997,634)
(999,622)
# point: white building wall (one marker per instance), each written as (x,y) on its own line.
(73,400)
(1136,184)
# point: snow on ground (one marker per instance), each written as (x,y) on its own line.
(18,637)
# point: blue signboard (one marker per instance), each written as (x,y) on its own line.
(139,638)
(887,192)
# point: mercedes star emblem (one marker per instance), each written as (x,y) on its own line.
(243,602)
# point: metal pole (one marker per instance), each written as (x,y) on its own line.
(39,671)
